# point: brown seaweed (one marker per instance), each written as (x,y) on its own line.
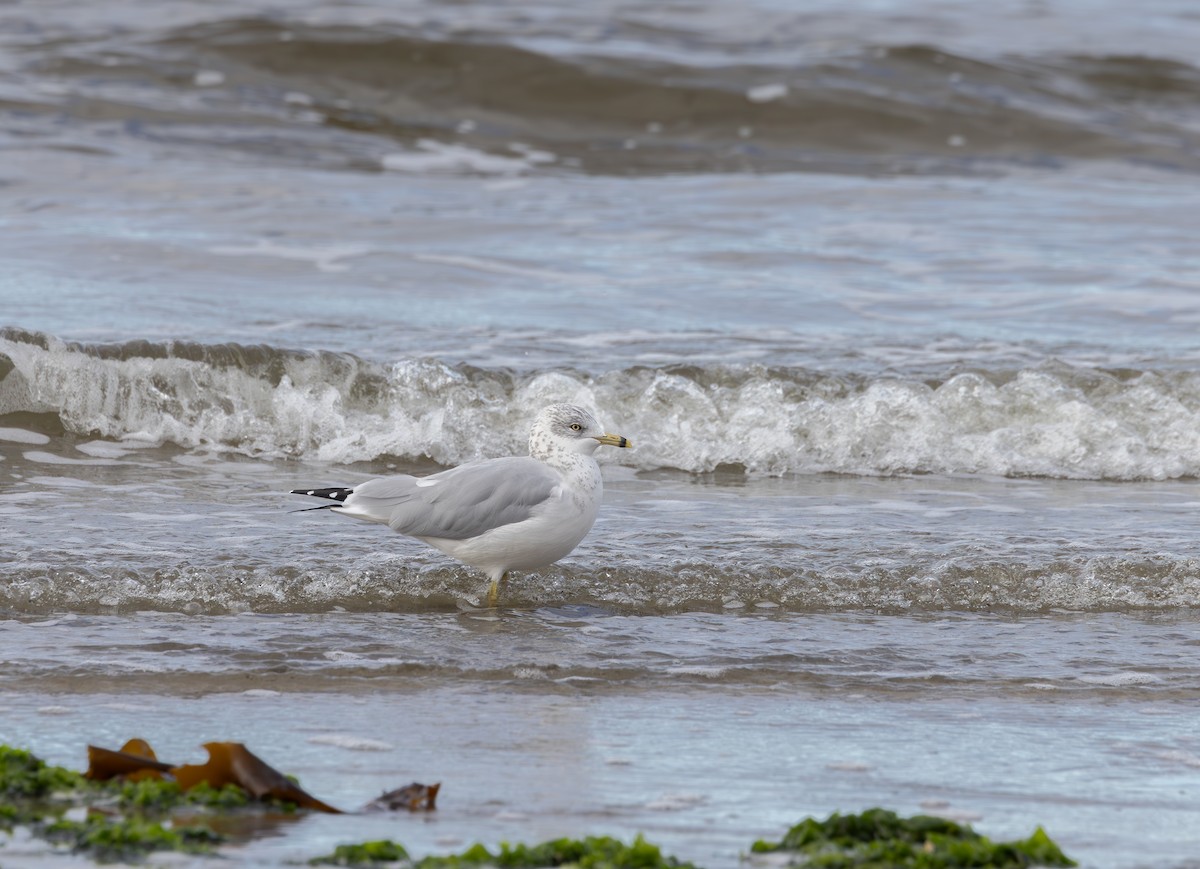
(233,763)
(228,763)
(135,761)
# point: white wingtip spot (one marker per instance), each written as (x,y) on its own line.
(424,483)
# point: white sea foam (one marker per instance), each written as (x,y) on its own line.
(1051,421)
(104,449)
(21,436)
(207,78)
(45,458)
(767,92)
(499,267)
(351,743)
(1121,680)
(327,258)
(448,158)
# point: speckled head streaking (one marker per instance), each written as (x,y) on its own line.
(567,428)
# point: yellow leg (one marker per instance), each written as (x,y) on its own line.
(493,594)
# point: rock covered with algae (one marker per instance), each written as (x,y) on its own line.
(881,839)
(36,795)
(592,852)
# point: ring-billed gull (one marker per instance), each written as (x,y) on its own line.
(514,513)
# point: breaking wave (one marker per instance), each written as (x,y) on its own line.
(1053,420)
(414,582)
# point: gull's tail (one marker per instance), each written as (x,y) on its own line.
(336,494)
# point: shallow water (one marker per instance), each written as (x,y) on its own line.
(703,731)
(898,304)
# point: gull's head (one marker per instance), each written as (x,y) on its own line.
(568,428)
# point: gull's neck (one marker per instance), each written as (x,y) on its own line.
(568,455)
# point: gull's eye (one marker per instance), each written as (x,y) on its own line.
(576,427)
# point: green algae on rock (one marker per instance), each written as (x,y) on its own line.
(31,788)
(378,851)
(123,839)
(593,852)
(36,795)
(26,777)
(158,795)
(881,839)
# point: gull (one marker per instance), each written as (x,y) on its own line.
(497,515)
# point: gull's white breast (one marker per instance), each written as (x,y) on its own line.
(556,527)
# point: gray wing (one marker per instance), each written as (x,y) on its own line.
(459,503)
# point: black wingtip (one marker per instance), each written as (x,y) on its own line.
(333,494)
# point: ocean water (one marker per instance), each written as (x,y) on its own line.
(899,304)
